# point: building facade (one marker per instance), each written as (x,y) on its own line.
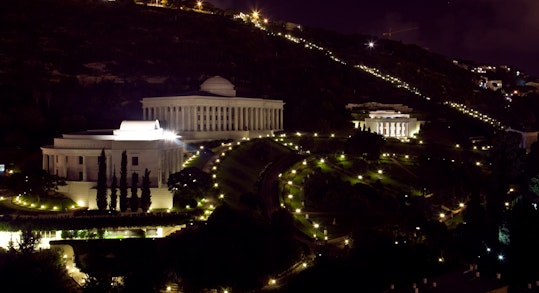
(389,123)
(147,145)
(215,112)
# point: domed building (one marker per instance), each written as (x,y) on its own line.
(215,112)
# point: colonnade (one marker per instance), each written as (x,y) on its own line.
(216,118)
(58,164)
(392,129)
(170,162)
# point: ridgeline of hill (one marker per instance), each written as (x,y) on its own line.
(76,65)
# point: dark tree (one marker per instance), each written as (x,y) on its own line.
(123,182)
(523,222)
(28,241)
(146,196)
(507,159)
(41,271)
(134,197)
(474,230)
(101,196)
(365,142)
(47,184)
(113,192)
(188,185)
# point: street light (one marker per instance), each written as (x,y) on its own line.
(199,5)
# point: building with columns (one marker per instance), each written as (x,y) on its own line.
(389,123)
(215,112)
(75,157)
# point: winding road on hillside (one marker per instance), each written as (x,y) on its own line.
(269,182)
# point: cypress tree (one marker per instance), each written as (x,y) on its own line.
(134,196)
(123,182)
(146,196)
(113,191)
(101,196)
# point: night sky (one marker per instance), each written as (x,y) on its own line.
(491,31)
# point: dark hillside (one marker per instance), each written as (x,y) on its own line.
(75,65)
(79,65)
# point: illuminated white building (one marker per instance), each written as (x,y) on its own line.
(389,123)
(215,112)
(75,157)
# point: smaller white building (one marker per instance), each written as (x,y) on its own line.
(147,146)
(389,123)
(527,138)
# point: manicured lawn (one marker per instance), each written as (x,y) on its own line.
(239,171)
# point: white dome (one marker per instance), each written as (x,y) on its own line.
(218,86)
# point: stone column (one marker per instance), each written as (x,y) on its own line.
(178,124)
(226,117)
(181,124)
(235,125)
(54,158)
(209,121)
(257,118)
(185,115)
(247,119)
(205,118)
(191,118)
(260,118)
(212,118)
(265,118)
(404,129)
(84,169)
(276,119)
(282,117)
(230,118)
(240,118)
(44,163)
(64,167)
(272,119)
(218,118)
(251,120)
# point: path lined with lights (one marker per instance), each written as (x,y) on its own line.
(255,19)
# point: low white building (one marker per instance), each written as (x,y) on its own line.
(215,112)
(389,123)
(527,138)
(75,157)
